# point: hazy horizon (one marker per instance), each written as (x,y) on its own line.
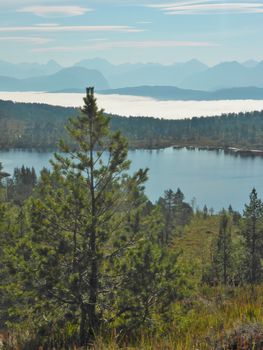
(93,58)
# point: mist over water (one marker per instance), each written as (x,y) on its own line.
(140,106)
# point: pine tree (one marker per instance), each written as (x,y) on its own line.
(3,174)
(79,222)
(167,204)
(183,211)
(22,184)
(205,212)
(178,197)
(8,234)
(223,250)
(3,188)
(150,286)
(253,234)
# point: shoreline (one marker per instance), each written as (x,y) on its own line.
(226,149)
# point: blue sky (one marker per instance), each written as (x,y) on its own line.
(164,31)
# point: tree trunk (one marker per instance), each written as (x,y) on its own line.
(91,308)
(253,257)
(83,336)
(93,281)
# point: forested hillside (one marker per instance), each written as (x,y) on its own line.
(42,126)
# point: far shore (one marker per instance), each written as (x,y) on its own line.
(240,151)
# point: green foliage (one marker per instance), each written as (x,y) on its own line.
(253,234)
(150,284)
(21,185)
(222,258)
(79,225)
(41,126)
(84,255)
(176,213)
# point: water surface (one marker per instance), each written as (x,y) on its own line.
(212,177)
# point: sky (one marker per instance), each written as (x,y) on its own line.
(163,31)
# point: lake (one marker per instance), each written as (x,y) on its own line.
(140,106)
(212,177)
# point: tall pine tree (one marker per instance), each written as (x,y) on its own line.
(223,250)
(253,234)
(79,222)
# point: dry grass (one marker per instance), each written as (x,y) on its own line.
(218,317)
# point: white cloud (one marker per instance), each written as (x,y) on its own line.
(55,11)
(144,22)
(97,39)
(56,28)
(17,4)
(47,24)
(209,7)
(26,39)
(145,44)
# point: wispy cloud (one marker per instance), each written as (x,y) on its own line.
(126,44)
(209,7)
(47,24)
(144,22)
(56,28)
(97,39)
(55,11)
(26,39)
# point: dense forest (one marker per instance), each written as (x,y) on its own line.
(87,261)
(42,126)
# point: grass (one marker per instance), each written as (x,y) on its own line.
(218,317)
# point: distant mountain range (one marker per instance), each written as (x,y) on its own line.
(191,75)
(226,75)
(71,78)
(174,93)
(144,74)
(28,70)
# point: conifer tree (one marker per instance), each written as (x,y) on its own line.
(253,234)
(205,212)
(151,284)
(8,217)
(79,222)
(169,207)
(183,211)
(223,250)
(3,174)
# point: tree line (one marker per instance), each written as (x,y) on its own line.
(41,126)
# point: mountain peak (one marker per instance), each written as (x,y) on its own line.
(250,63)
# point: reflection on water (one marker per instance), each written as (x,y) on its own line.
(212,177)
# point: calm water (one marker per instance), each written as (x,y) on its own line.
(213,178)
(140,106)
